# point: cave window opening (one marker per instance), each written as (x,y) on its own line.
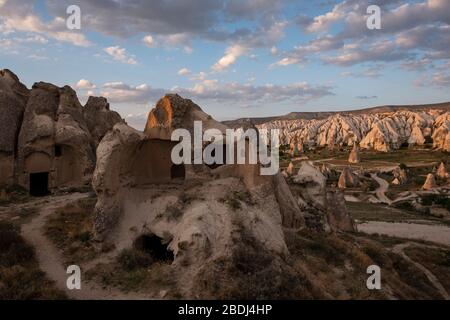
(155,247)
(58,151)
(39,184)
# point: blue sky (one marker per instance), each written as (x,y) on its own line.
(234,58)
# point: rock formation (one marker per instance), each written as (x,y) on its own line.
(312,184)
(400,176)
(354,155)
(99,118)
(324,209)
(430,182)
(201,216)
(290,169)
(13,98)
(383,131)
(442,172)
(173,112)
(337,215)
(347,179)
(46,137)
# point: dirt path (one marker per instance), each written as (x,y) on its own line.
(51,261)
(430,232)
(380,192)
(399,249)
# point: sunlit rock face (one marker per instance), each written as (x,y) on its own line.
(378,131)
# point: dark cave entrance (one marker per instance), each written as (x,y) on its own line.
(155,247)
(178,171)
(39,184)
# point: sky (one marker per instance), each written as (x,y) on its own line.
(235,58)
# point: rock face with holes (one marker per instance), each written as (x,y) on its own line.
(54,139)
(47,138)
(204,215)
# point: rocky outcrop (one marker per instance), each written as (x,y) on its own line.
(442,172)
(47,136)
(172,112)
(441,134)
(400,176)
(354,155)
(337,215)
(383,131)
(430,182)
(99,118)
(311,185)
(347,179)
(290,169)
(13,99)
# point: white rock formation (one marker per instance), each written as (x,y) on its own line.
(379,131)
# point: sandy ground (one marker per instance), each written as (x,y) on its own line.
(434,232)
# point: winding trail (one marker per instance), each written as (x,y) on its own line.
(399,249)
(381,190)
(52,263)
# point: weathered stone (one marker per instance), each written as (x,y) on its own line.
(430,182)
(354,155)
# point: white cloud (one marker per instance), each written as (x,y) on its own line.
(149,41)
(84,84)
(184,71)
(212,89)
(121,55)
(231,55)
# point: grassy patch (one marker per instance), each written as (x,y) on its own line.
(437,260)
(20,276)
(70,229)
(135,270)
